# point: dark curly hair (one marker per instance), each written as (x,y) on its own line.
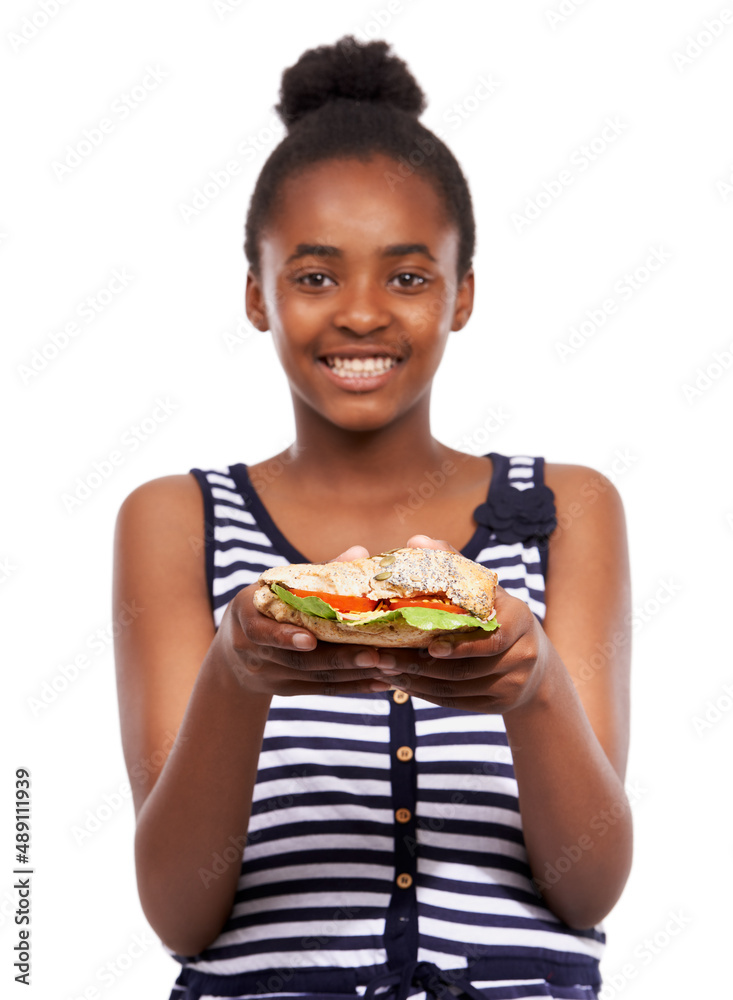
(350,100)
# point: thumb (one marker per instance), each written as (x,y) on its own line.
(353,552)
(426,542)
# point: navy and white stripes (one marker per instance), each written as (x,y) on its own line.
(385,830)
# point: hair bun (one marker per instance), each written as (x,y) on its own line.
(359,71)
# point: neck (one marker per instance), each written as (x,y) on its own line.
(328,459)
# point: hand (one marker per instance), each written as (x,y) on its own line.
(263,655)
(492,672)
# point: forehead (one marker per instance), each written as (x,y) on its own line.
(360,205)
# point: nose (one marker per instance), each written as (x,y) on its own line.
(361,308)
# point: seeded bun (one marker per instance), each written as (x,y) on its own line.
(349,70)
(411,571)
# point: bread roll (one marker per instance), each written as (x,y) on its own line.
(412,571)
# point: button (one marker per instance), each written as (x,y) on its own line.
(403,815)
(404,881)
(400,697)
(405,753)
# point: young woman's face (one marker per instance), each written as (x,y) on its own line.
(359,260)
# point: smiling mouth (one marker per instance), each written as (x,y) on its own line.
(349,368)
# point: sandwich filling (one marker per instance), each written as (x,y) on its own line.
(425,611)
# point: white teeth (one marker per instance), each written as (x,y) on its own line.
(353,367)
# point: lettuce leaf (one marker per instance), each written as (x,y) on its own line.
(424,618)
(430,618)
(311,605)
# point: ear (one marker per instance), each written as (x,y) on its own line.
(464,301)
(254,302)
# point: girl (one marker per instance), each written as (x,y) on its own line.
(339,821)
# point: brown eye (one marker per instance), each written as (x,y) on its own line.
(315,279)
(411,280)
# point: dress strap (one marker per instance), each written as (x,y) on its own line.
(202,478)
(519,505)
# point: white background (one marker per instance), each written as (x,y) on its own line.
(616,403)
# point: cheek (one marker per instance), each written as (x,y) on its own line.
(287,321)
(431,315)
(299,314)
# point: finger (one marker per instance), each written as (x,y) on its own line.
(450,689)
(264,631)
(338,676)
(476,643)
(326,673)
(326,656)
(514,618)
(281,680)
(457,669)
(426,542)
(419,663)
(331,687)
(267,635)
(259,628)
(334,656)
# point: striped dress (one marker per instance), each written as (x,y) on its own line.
(384,855)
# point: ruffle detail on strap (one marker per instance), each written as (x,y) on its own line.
(517,515)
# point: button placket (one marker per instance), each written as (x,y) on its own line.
(401,931)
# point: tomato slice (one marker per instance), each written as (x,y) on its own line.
(415,602)
(339,602)
(349,603)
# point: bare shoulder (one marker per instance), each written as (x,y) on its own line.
(160,529)
(587,501)
(579,482)
(177,497)
(164,514)
(590,537)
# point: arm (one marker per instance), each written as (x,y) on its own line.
(176,674)
(570,740)
(564,693)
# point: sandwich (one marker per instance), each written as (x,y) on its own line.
(404,597)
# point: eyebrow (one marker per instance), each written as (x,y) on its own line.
(324,250)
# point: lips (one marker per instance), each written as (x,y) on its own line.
(371,365)
(361,367)
(351,374)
